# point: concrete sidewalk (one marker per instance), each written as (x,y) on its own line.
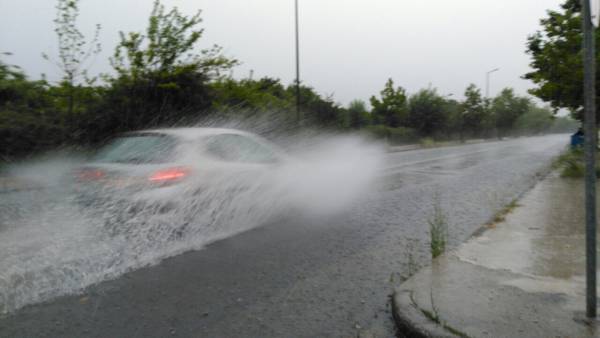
(524,277)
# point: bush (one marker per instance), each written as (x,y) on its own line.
(398,135)
(427,142)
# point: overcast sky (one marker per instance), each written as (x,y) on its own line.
(349,48)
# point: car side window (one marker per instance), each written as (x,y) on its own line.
(139,148)
(239,148)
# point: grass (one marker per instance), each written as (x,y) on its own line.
(438,230)
(435,317)
(427,142)
(571,164)
(455,331)
(500,216)
(432,316)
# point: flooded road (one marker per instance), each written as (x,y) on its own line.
(305,276)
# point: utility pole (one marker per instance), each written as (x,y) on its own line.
(487,81)
(297,66)
(590,142)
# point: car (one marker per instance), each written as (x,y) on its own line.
(159,169)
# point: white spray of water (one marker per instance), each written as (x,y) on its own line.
(54,246)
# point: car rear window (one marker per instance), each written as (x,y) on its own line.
(238,148)
(138,149)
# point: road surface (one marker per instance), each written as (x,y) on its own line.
(306,277)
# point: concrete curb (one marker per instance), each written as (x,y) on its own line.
(411,321)
(409,318)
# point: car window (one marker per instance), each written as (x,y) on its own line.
(239,148)
(138,149)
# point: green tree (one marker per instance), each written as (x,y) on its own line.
(506,108)
(262,94)
(162,77)
(454,115)
(535,121)
(564,124)
(358,114)
(27,119)
(321,111)
(474,114)
(391,110)
(557,65)
(427,112)
(8,71)
(168,47)
(73,52)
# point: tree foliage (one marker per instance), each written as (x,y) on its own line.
(162,77)
(26,115)
(506,108)
(557,61)
(475,118)
(263,94)
(391,110)
(539,120)
(74,52)
(358,115)
(535,121)
(73,48)
(169,46)
(427,112)
(316,109)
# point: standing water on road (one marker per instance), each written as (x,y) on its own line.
(56,243)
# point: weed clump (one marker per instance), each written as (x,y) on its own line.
(438,230)
(427,142)
(571,164)
(500,216)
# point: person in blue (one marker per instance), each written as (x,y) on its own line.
(577,139)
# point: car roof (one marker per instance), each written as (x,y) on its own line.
(191,133)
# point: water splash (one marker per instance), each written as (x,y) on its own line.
(53,245)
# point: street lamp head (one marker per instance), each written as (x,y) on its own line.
(487,81)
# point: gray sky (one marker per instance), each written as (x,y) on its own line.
(348,47)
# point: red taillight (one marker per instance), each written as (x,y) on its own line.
(90,174)
(169,175)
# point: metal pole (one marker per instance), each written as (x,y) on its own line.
(297,66)
(487,85)
(590,138)
(487,81)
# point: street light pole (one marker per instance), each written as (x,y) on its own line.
(297,66)
(487,81)
(590,144)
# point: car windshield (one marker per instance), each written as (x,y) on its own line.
(138,149)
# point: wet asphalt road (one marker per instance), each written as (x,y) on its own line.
(306,277)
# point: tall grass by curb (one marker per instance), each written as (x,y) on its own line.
(438,230)
(571,164)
